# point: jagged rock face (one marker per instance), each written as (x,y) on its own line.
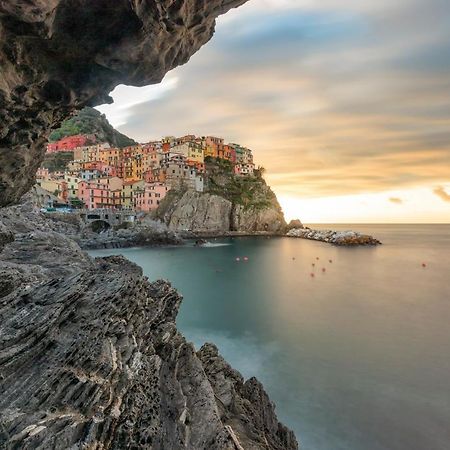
(58,56)
(198,212)
(90,357)
(209,213)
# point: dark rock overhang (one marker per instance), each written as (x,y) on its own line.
(58,56)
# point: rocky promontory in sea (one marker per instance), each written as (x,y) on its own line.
(342,238)
(230,203)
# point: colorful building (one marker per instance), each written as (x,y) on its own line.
(129,189)
(149,196)
(105,177)
(66,144)
(101,193)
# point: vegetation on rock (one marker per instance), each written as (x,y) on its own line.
(91,122)
(248,191)
(57,162)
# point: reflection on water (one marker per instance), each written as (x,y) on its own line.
(356,358)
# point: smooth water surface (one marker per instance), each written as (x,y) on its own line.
(356,357)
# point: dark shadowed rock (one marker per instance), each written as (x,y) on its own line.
(58,56)
(244,405)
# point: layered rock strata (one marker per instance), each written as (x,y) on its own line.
(90,357)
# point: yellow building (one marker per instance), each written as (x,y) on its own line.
(210,151)
(129,189)
(110,156)
(72,184)
(191,150)
(50,185)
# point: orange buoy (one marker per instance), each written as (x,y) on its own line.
(317,258)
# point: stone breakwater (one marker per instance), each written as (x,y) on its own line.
(344,238)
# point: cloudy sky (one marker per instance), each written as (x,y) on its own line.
(346,103)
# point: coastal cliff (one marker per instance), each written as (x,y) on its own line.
(230,203)
(90,357)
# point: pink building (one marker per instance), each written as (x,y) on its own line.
(101,193)
(148,198)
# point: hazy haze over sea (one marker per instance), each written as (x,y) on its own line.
(356,358)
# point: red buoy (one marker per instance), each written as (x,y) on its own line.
(317,258)
(330,261)
(312,275)
(323,269)
(245,258)
(424,265)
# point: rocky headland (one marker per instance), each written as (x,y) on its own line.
(229,205)
(342,238)
(27,217)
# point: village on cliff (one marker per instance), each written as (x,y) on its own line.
(137,177)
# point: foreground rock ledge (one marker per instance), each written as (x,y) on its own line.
(58,56)
(90,357)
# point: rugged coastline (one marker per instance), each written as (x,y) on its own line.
(105,363)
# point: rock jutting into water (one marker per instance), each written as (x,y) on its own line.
(27,217)
(90,356)
(229,204)
(344,238)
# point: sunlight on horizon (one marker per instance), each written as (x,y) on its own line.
(345,103)
(417,205)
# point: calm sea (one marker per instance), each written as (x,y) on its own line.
(356,357)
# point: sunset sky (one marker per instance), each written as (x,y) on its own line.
(346,103)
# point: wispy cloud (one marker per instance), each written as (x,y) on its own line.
(442,193)
(335,97)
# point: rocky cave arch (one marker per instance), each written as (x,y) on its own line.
(58,56)
(99,225)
